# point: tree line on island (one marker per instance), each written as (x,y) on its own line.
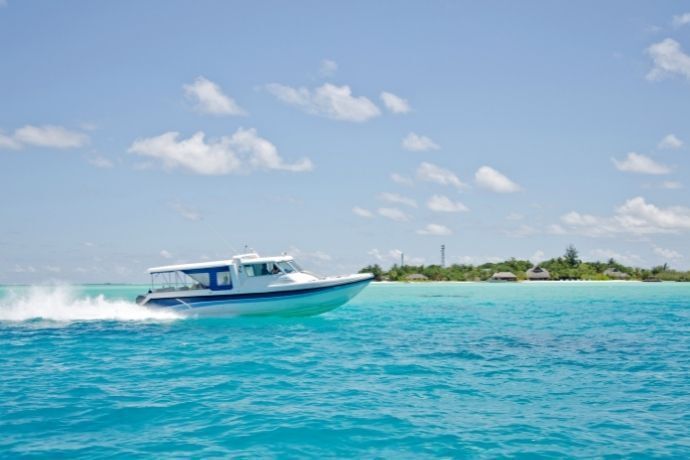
(567,267)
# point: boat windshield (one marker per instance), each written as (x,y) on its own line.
(286,267)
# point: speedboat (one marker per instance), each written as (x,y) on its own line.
(249,284)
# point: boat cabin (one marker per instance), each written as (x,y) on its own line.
(245,271)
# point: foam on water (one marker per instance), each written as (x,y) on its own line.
(64,304)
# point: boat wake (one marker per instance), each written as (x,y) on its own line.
(63,304)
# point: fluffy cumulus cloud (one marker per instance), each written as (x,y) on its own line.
(435,230)
(668,59)
(394,214)
(416,143)
(361,212)
(395,104)
(670,142)
(490,179)
(681,19)
(165,254)
(48,136)
(208,98)
(9,142)
(635,216)
(637,163)
(328,68)
(331,101)
(431,173)
(402,180)
(668,254)
(242,152)
(397,199)
(441,203)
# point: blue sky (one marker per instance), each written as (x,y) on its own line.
(135,134)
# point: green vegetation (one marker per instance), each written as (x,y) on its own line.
(567,267)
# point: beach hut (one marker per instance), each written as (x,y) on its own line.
(537,273)
(616,274)
(416,277)
(503,276)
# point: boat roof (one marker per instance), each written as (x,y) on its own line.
(241,258)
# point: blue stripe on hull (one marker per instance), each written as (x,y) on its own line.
(205,301)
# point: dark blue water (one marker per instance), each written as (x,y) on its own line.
(404,371)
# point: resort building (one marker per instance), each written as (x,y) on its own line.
(503,276)
(616,274)
(537,273)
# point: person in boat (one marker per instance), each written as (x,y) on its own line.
(275,270)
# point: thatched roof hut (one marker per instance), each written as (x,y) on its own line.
(504,276)
(616,274)
(537,273)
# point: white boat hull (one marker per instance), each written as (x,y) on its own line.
(305,301)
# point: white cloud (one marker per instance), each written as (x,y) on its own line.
(8,142)
(361,212)
(209,98)
(635,216)
(52,268)
(669,254)
(399,199)
(99,161)
(402,180)
(394,214)
(537,257)
(670,142)
(515,216)
(244,151)
(672,185)
(668,59)
(681,20)
(336,102)
(394,103)
(393,256)
(417,143)
(186,212)
(50,136)
(327,68)
(435,230)
(641,164)
(165,254)
(493,180)
(575,218)
(431,173)
(441,203)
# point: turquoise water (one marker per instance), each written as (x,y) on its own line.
(403,371)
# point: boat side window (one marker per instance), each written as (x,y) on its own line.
(203,279)
(223,280)
(258,269)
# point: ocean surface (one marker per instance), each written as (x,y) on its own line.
(432,370)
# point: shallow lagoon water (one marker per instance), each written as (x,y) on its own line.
(404,371)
